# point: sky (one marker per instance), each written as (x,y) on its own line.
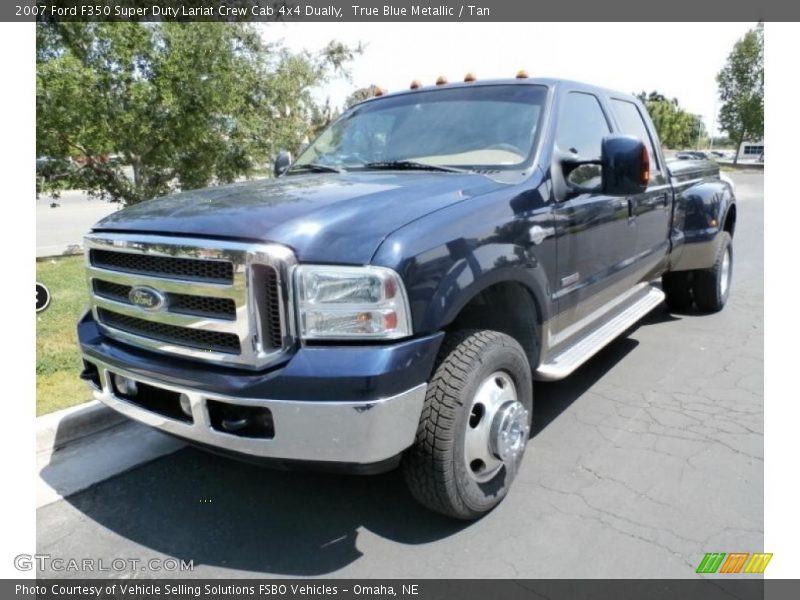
(679,60)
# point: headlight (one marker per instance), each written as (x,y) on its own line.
(351,303)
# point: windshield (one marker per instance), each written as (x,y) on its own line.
(474,127)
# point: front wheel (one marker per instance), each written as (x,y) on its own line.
(474,426)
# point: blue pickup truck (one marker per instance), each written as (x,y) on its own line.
(390,297)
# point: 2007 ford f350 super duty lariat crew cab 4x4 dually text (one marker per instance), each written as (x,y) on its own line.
(391,296)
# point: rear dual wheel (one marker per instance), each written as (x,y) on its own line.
(677,287)
(712,286)
(474,426)
(707,288)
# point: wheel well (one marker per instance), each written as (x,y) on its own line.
(507,307)
(730,220)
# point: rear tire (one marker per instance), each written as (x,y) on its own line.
(712,286)
(474,425)
(677,287)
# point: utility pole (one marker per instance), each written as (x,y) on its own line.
(713,124)
(699,129)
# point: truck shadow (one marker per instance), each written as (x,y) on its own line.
(218,512)
(551,398)
(221,513)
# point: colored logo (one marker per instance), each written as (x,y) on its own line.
(734,562)
(147,298)
(42,297)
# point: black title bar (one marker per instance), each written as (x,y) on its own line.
(713,588)
(396,10)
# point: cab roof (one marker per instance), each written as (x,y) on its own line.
(543,81)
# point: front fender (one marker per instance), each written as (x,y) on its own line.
(450,256)
(484,267)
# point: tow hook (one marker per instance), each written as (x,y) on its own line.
(233,424)
(241,420)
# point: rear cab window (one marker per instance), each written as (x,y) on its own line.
(631,122)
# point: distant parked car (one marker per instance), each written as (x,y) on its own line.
(49,168)
(694,155)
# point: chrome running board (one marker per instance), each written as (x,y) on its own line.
(567,357)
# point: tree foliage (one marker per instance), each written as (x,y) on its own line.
(676,127)
(361,94)
(741,89)
(179,105)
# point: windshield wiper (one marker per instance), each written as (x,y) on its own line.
(316,168)
(410,165)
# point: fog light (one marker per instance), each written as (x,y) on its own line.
(186,405)
(125,386)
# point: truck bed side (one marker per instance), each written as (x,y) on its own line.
(704,206)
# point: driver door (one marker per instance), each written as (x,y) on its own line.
(596,239)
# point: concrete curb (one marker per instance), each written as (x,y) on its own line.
(759,167)
(62,427)
(58,251)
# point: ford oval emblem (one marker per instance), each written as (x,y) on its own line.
(147,298)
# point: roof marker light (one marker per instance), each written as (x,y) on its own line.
(522,74)
(379,91)
(416,84)
(469,77)
(441,80)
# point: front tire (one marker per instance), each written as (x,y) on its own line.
(712,286)
(474,426)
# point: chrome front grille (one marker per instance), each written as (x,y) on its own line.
(190,269)
(203,306)
(201,339)
(223,302)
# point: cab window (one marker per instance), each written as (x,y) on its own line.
(582,125)
(631,122)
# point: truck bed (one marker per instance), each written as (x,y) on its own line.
(692,169)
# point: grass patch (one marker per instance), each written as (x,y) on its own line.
(58,361)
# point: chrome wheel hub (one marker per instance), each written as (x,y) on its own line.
(509,429)
(725,275)
(497,428)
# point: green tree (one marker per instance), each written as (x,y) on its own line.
(676,127)
(361,94)
(741,90)
(174,105)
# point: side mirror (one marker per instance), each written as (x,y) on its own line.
(626,165)
(282,162)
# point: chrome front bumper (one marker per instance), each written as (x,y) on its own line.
(338,432)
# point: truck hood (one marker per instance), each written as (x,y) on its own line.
(322,217)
